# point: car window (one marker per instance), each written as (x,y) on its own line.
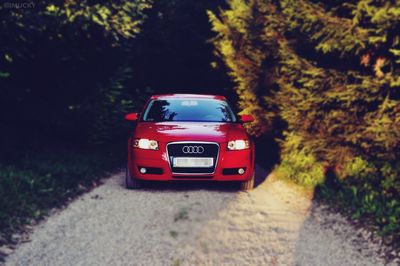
(197,110)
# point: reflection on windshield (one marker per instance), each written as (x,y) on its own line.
(200,110)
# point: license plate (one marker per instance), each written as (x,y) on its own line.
(193,162)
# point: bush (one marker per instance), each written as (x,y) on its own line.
(299,165)
(331,71)
(370,191)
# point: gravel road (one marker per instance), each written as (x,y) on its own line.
(196,224)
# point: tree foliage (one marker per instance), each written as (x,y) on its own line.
(57,57)
(329,70)
(173,53)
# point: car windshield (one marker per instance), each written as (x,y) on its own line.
(195,110)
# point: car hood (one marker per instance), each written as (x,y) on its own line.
(190,131)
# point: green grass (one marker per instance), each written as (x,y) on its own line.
(32,182)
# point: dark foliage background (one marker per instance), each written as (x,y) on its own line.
(174,54)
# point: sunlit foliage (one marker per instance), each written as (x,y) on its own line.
(331,71)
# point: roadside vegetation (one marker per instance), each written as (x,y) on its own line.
(323,77)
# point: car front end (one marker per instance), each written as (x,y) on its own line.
(164,150)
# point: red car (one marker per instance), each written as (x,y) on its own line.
(189,137)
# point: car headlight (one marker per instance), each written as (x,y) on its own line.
(146,144)
(239,144)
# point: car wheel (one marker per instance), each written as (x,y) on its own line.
(131,182)
(247,185)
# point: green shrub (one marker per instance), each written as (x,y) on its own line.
(359,168)
(370,190)
(331,71)
(299,165)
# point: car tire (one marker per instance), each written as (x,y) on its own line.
(131,182)
(247,185)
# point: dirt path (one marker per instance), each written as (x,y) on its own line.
(195,225)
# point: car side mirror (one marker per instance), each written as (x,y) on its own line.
(246,118)
(132,116)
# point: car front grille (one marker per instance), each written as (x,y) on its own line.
(193,149)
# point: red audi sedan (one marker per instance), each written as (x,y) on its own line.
(189,137)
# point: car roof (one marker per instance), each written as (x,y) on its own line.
(189,96)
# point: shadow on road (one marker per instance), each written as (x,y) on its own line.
(267,156)
(189,186)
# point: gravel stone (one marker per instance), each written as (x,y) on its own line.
(4,250)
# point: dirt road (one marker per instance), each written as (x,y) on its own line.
(197,224)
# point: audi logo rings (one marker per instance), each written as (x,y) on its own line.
(193,149)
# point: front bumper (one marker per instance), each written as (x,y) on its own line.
(157,161)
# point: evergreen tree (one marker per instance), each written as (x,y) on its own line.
(330,70)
